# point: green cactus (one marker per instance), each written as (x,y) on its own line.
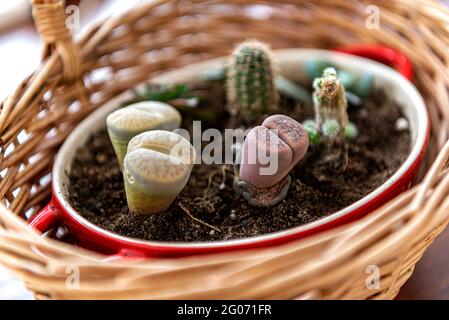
(330,103)
(250,80)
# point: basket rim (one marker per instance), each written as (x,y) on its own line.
(415,153)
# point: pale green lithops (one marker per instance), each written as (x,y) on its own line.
(156,169)
(127,122)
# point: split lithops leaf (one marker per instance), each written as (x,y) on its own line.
(292,133)
(125,123)
(269,153)
(156,169)
(262,145)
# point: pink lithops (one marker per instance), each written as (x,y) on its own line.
(269,153)
(266,158)
(291,132)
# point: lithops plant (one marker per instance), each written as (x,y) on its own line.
(330,105)
(251,72)
(268,154)
(156,169)
(127,122)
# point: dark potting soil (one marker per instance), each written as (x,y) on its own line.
(208,208)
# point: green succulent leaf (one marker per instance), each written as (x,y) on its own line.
(292,90)
(351,131)
(166,92)
(313,133)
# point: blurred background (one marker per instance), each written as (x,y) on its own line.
(20,48)
(20,45)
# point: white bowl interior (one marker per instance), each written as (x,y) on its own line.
(291,63)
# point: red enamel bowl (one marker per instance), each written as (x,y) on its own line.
(291,62)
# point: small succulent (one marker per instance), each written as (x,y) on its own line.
(329,129)
(125,123)
(165,92)
(330,105)
(312,131)
(178,95)
(251,89)
(351,131)
(268,154)
(156,169)
(360,85)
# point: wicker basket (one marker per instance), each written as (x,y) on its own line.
(133,47)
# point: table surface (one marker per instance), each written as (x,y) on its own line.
(19,55)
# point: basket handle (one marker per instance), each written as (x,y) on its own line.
(45,219)
(50,20)
(50,217)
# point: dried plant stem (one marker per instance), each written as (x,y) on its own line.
(187,211)
(212,176)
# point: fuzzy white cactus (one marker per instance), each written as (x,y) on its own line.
(330,104)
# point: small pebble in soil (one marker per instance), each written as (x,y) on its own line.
(401,124)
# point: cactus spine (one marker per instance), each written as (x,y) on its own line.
(250,81)
(330,102)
